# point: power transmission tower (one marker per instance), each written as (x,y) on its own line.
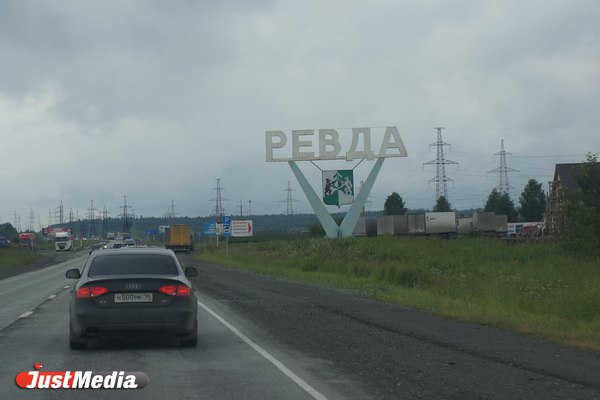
(503,170)
(219,210)
(50,217)
(17,222)
(92,218)
(171,210)
(441,180)
(31,220)
(104,221)
(125,215)
(71,220)
(60,214)
(289,200)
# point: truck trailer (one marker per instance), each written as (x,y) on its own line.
(179,238)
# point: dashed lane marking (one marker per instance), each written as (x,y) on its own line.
(26,314)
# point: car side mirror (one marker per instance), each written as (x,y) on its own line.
(73,274)
(191,272)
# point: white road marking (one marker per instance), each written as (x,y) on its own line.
(66,287)
(51,296)
(26,314)
(299,381)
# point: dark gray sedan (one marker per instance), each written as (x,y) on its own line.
(132,291)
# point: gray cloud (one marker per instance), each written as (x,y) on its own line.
(155,100)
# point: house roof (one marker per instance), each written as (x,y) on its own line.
(566,174)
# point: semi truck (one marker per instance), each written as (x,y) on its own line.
(63,241)
(179,238)
(27,240)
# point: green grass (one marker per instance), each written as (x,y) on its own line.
(15,257)
(532,288)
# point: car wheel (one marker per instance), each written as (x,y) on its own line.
(76,342)
(191,339)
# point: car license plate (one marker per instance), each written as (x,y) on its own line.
(133,297)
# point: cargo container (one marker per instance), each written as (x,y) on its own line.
(392,225)
(484,221)
(366,226)
(179,238)
(416,224)
(501,225)
(440,223)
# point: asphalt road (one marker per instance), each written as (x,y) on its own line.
(262,338)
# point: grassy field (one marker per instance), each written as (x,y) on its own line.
(530,288)
(14,257)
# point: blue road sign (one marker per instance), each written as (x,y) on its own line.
(227,226)
(210,228)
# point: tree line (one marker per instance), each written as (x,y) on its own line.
(532,204)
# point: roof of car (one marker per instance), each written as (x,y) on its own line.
(134,250)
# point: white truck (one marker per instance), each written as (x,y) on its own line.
(63,241)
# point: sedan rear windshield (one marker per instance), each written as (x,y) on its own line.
(126,264)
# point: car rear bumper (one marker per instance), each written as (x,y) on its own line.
(177,319)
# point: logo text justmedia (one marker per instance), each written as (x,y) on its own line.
(80,379)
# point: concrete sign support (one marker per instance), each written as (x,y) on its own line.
(345,229)
(330,147)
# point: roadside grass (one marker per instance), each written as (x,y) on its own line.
(532,288)
(15,257)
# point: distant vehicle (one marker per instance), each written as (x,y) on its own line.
(63,241)
(97,246)
(115,244)
(179,238)
(27,240)
(4,243)
(132,291)
(110,235)
(129,243)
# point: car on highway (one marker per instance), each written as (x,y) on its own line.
(132,291)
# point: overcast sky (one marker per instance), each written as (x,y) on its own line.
(156,99)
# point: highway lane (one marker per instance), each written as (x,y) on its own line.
(227,364)
(22,293)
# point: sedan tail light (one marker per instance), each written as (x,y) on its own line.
(87,292)
(176,290)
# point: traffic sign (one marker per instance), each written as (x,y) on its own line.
(227,226)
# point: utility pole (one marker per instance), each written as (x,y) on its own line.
(249,208)
(503,170)
(441,185)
